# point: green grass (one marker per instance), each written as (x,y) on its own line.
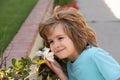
(12,14)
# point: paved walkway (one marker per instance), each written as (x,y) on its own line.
(106,25)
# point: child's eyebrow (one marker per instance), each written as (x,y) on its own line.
(61,35)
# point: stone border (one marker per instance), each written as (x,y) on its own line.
(27,40)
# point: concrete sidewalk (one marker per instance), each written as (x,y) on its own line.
(106,25)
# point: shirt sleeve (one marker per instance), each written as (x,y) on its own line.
(106,64)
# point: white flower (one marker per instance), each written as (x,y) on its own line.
(46,54)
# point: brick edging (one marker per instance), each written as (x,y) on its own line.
(23,41)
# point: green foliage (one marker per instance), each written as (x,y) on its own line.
(63,2)
(20,69)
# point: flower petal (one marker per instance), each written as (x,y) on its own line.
(50,56)
(39,53)
(46,51)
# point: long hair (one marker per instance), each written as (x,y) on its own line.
(74,25)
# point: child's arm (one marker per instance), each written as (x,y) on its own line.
(118,78)
(54,66)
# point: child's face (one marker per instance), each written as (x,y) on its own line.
(61,44)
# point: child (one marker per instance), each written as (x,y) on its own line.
(67,34)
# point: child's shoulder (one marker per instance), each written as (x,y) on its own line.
(99,54)
(95,51)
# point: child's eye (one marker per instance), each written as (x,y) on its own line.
(60,38)
(50,42)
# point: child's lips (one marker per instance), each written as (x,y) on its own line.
(58,51)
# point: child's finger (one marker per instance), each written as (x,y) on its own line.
(48,64)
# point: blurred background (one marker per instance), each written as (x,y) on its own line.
(104,17)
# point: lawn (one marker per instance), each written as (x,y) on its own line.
(12,14)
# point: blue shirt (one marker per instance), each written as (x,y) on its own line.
(93,64)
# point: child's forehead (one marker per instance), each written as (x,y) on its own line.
(56,30)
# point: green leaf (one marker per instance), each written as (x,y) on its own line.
(35,58)
(14,61)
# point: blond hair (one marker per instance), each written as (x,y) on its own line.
(74,26)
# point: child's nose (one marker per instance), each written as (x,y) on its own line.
(56,44)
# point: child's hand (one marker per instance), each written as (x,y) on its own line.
(55,67)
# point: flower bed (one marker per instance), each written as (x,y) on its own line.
(67,3)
